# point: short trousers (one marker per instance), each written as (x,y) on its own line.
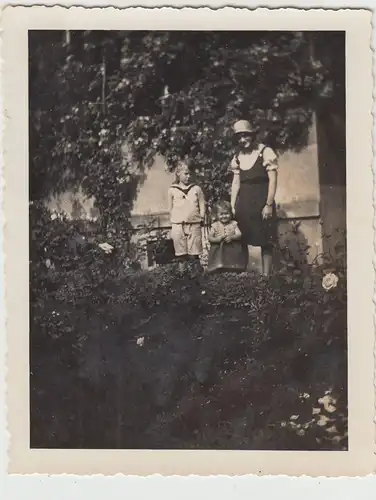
(187,239)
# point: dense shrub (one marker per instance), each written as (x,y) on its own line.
(160,360)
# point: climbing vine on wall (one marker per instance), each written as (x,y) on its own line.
(103,104)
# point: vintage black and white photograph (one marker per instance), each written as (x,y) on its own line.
(187,205)
(188,241)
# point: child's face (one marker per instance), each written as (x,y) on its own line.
(224,216)
(184,175)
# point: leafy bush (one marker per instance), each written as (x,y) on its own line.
(160,360)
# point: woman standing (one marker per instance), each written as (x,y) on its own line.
(253,191)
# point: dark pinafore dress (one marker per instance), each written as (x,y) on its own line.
(252,196)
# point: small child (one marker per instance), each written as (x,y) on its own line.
(187,209)
(227,252)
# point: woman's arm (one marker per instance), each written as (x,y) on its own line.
(235,186)
(267,211)
(271,165)
(273,177)
(235,189)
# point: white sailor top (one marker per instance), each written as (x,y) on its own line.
(187,204)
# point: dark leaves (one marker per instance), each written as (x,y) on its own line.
(116,84)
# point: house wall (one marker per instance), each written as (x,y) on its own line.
(152,193)
(298,201)
(75,204)
(332,172)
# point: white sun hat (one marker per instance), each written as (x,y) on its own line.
(242,126)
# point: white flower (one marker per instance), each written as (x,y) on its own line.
(203,292)
(329,281)
(332,429)
(294,417)
(305,395)
(140,341)
(323,421)
(328,402)
(48,263)
(53,216)
(336,439)
(106,247)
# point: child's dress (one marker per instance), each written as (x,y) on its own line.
(223,256)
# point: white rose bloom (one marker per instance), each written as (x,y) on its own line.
(106,247)
(329,281)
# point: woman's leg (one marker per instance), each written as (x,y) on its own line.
(255,262)
(267,260)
